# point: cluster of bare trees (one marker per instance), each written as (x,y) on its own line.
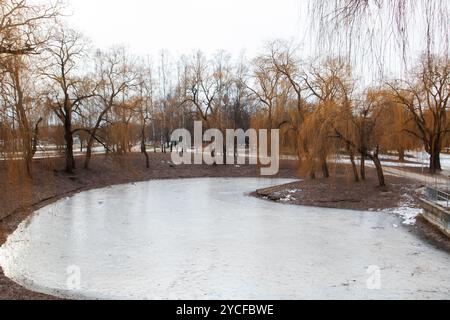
(416,107)
(324,113)
(426,98)
(56,91)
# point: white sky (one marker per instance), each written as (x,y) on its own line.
(181,26)
(184,26)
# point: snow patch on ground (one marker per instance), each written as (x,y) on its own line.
(290,195)
(406,210)
(408,214)
(288,198)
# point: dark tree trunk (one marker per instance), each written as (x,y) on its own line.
(374,157)
(36,136)
(435,157)
(70,160)
(224,154)
(380,173)
(435,162)
(363,167)
(89,146)
(401,155)
(24,125)
(144,148)
(147,160)
(325,169)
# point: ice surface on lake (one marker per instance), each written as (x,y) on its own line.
(206,239)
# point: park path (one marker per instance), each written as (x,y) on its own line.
(438,180)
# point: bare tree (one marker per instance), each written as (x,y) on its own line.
(69,88)
(426,98)
(285,62)
(22,25)
(201,88)
(22,105)
(326,84)
(145,106)
(115,76)
(365,122)
(264,86)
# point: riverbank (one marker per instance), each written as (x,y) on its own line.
(20,197)
(341,192)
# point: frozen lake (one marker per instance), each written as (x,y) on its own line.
(206,239)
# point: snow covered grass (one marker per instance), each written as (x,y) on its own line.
(346,160)
(288,198)
(423,158)
(408,214)
(406,210)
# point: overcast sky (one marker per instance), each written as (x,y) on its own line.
(183,26)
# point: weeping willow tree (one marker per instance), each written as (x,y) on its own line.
(25,28)
(387,35)
(374,31)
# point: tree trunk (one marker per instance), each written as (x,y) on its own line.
(24,125)
(379,168)
(28,155)
(325,169)
(224,154)
(89,146)
(401,155)
(36,136)
(363,167)
(435,162)
(432,167)
(435,157)
(147,159)
(70,160)
(144,148)
(27,145)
